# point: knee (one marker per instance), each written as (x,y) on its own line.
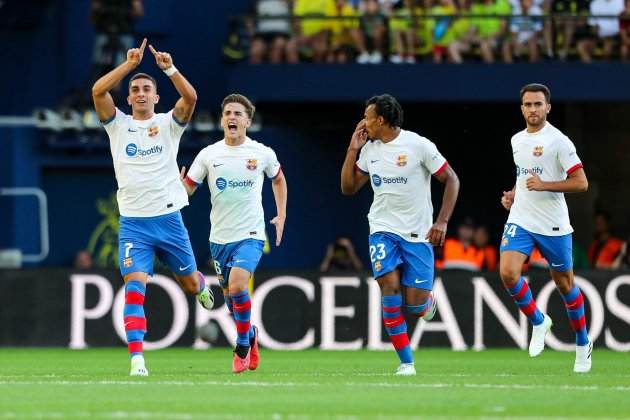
(509,276)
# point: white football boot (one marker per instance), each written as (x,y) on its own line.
(137,367)
(406,369)
(537,342)
(583,359)
(206,298)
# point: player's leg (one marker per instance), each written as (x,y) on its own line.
(516,245)
(238,261)
(558,251)
(136,264)
(175,250)
(385,258)
(417,279)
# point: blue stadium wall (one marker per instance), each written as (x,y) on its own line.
(48,59)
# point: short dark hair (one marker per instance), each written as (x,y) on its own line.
(239,99)
(387,106)
(537,87)
(143,76)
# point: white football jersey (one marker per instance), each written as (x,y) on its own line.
(145,163)
(400,173)
(235,177)
(552,156)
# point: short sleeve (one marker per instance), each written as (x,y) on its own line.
(431,158)
(272,166)
(567,156)
(112,124)
(361,164)
(199,169)
(177,128)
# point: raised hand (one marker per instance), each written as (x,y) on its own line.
(134,55)
(163,59)
(359,137)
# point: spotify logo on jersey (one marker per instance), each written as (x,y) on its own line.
(221,183)
(376,180)
(131,149)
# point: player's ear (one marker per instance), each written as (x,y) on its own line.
(548,108)
(129,100)
(249,122)
(156,98)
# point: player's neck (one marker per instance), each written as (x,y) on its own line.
(142,116)
(390,134)
(536,128)
(235,141)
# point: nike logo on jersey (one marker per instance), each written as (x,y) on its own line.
(374,161)
(239,261)
(131,131)
(216,165)
(183,268)
(556,265)
(418,281)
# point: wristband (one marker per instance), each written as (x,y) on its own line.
(170,71)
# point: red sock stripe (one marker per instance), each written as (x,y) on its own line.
(579,301)
(529,309)
(522,292)
(578,324)
(242,327)
(400,340)
(135,323)
(393,322)
(134,298)
(135,347)
(242,307)
(393,309)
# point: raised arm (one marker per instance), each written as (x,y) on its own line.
(351,179)
(103,101)
(279,187)
(437,233)
(185,106)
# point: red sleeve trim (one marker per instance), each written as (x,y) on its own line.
(574,168)
(189,181)
(277,173)
(360,170)
(441,169)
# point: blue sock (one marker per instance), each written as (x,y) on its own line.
(396,327)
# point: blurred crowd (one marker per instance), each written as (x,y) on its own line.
(456,31)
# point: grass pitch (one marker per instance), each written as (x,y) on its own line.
(186,383)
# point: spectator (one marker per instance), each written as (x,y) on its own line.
(490,33)
(604,30)
(312,33)
(83,260)
(605,251)
(443,33)
(374,32)
(113,22)
(526,28)
(340,256)
(345,36)
(460,253)
(624,29)
(488,253)
(567,27)
(405,29)
(272,37)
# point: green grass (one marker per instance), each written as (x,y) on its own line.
(186,383)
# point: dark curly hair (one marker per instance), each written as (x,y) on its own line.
(387,106)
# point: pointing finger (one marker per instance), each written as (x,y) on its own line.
(155,53)
(144,44)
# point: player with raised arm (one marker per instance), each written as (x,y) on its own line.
(547,166)
(399,164)
(235,167)
(150,195)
